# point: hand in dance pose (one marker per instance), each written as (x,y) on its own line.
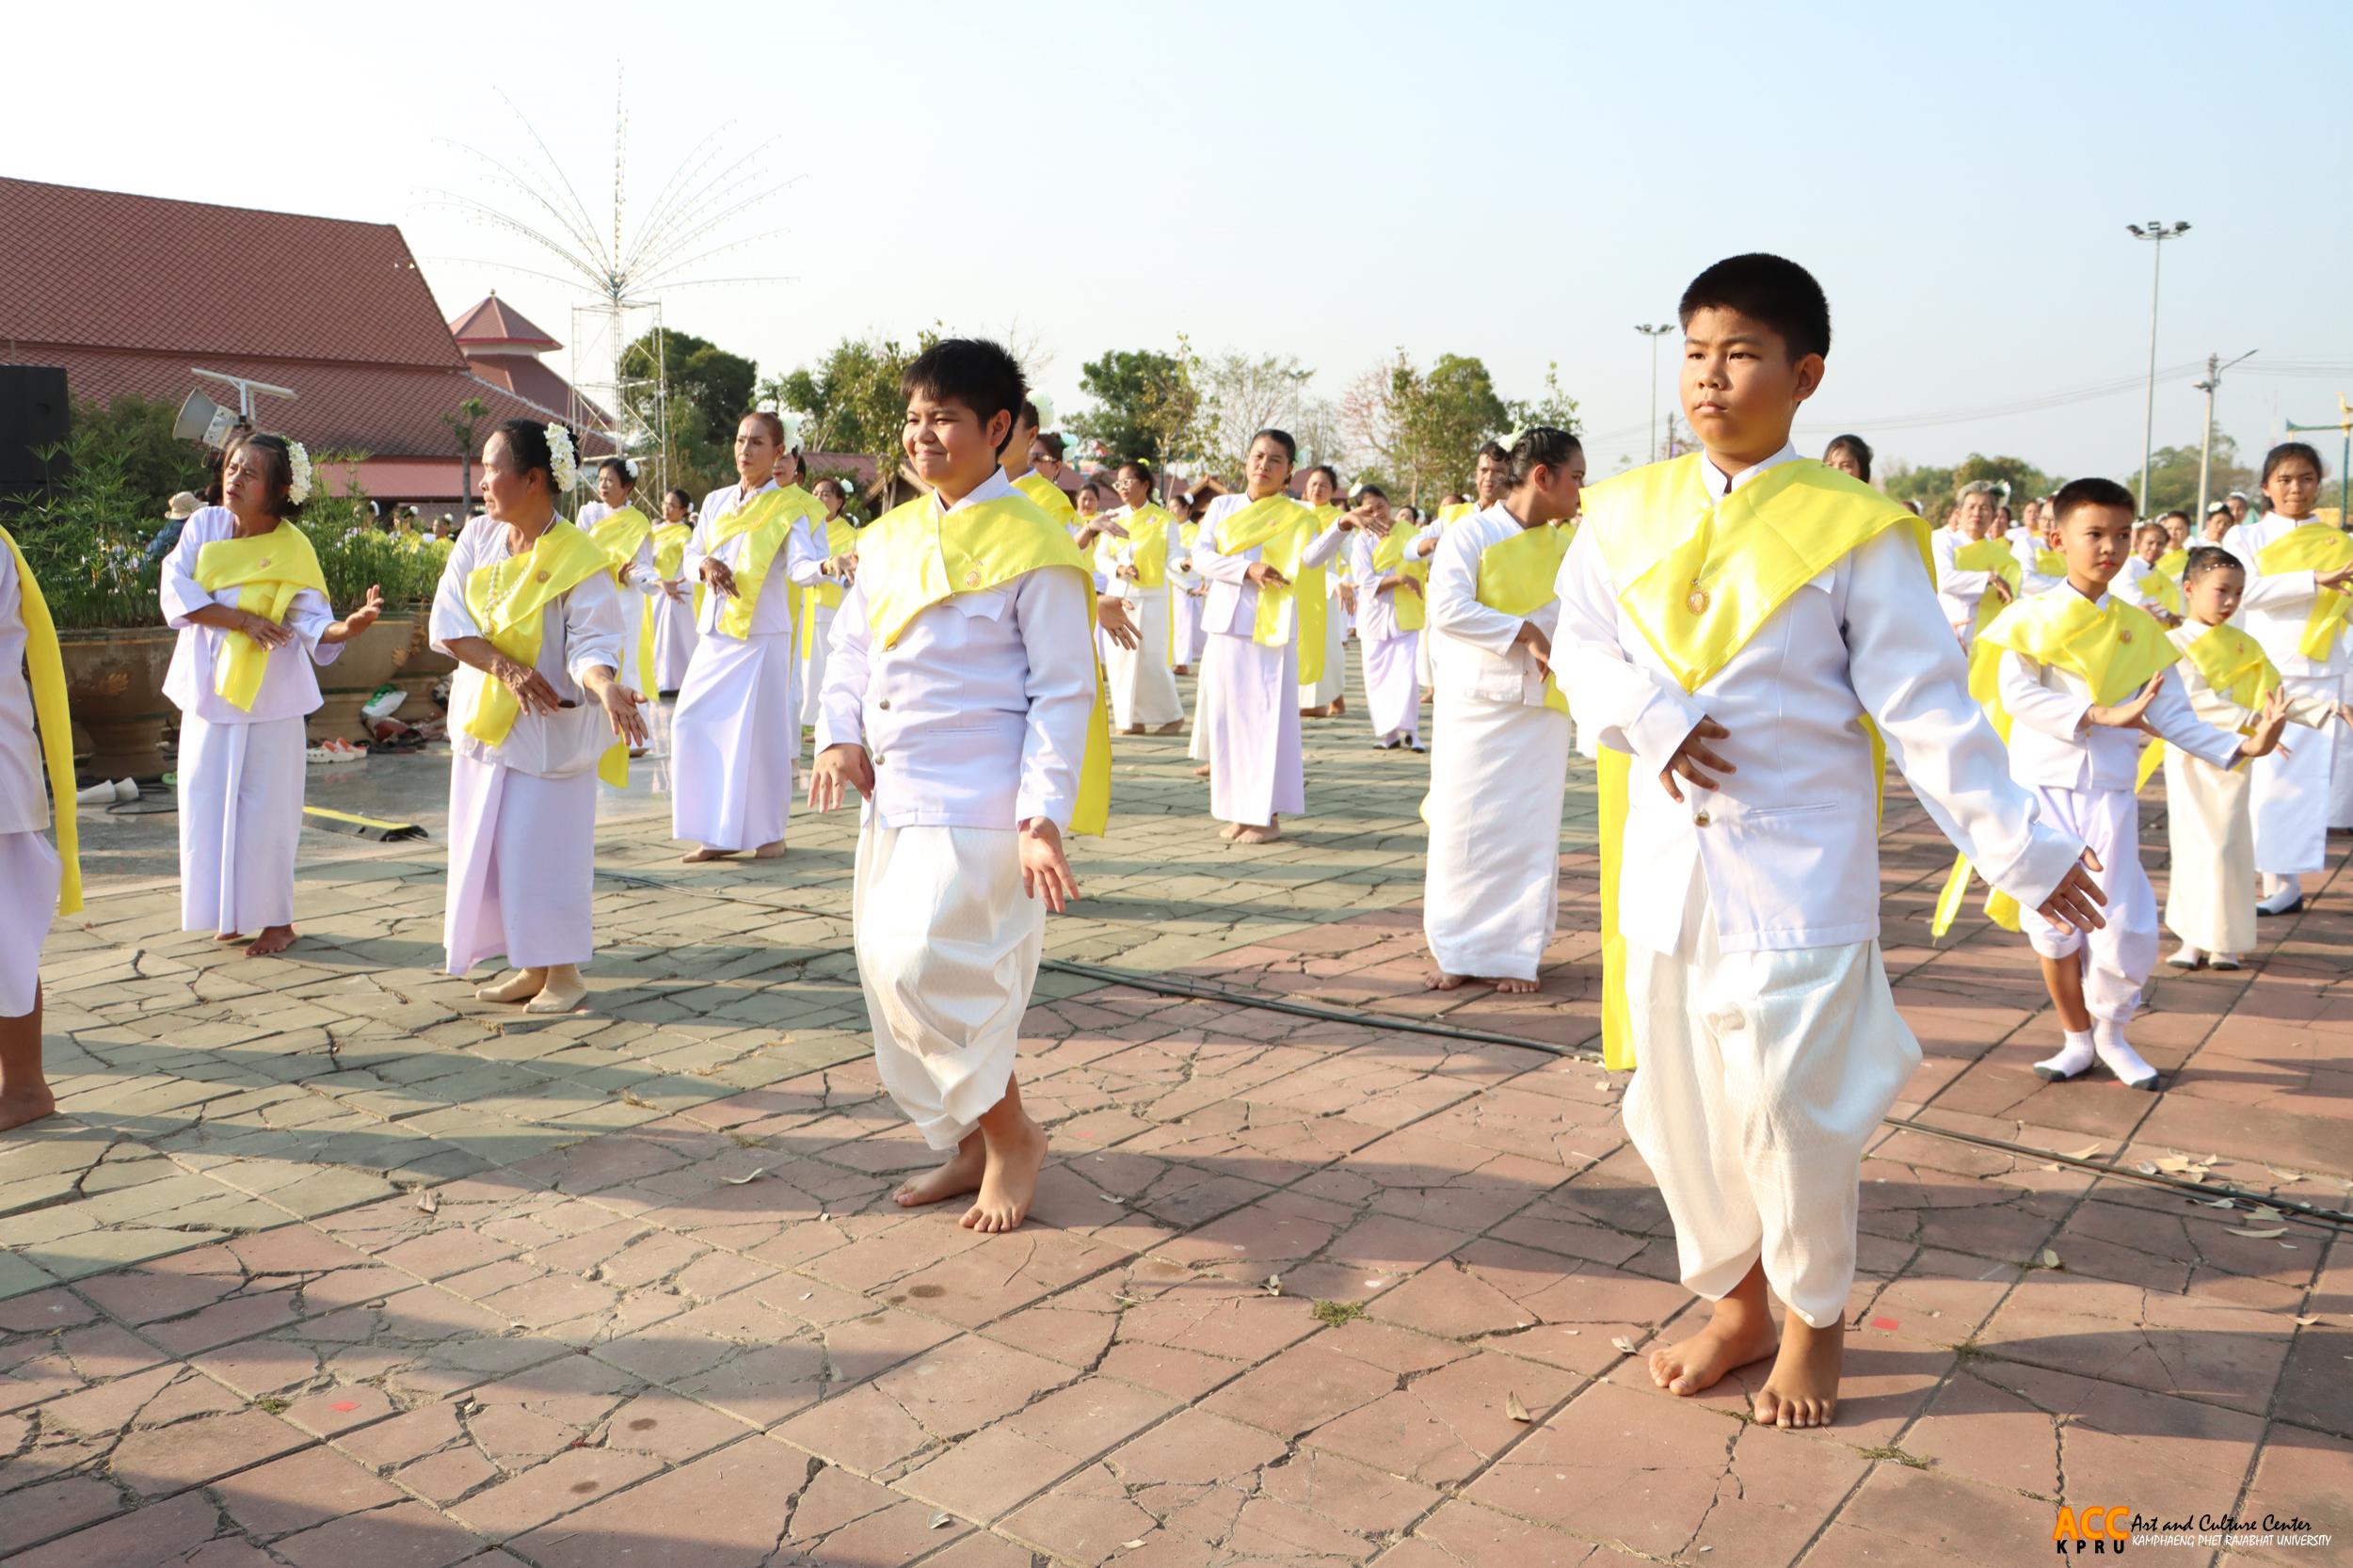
(837,766)
(356,622)
(1118,622)
(717,577)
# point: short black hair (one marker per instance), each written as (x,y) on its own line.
(2288,452)
(1052,443)
(678,493)
(2208,558)
(1281,439)
(1138,466)
(1855,447)
(2078,493)
(620,466)
(1364,491)
(1492,449)
(1327,471)
(1767,288)
(1546,446)
(2177,512)
(974,372)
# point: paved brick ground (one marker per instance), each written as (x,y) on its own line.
(327,1265)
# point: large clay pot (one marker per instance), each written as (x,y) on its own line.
(368,661)
(424,668)
(114,681)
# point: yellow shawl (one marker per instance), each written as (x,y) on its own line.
(621,533)
(508,599)
(2312,547)
(1049,498)
(669,549)
(47,666)
(1147,544)
(1517,575)
(1280,529)
(267,569)
(1698,577)
(840,538)
(2235,665)
(916,555)
(1388,555)
(1995,556)
(768,517)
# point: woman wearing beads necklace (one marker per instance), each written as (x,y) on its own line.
(528,608)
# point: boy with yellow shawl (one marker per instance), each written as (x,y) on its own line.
(2209,895)
(2072,678)
(1728,621)
(41,882)
(243,589)
(961,701)
(1264,554)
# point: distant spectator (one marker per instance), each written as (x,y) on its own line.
(182,508)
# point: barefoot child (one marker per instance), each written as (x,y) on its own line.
(1729,617)
(2074,677)
(2210,900)
(961,703)
(2298,574)
(1501,756)
(41,882)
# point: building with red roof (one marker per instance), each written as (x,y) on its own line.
(130,295)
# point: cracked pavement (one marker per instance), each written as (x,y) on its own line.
(326,1263)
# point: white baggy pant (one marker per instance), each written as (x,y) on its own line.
(947,946)
(30,871)
(1758,1078)
(2117,958)
(523,867)
(240,823)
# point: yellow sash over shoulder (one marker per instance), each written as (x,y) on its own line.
(508,599)
(2312,547)
(840,537)
(1995,556)
(47,666)
(1698,577)
(2173,561)
(2115,650)
(915,556)
(2155,585)
(1280,530)
(622,534)
(1147,543)
(267,570)
(2235,665)
(669,549)
(1518,575)
(1049,496)
(768,517)
(1388,555)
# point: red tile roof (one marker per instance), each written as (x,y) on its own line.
(495,324)
(128,292)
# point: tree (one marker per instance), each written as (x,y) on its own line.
(1935,488)
(461,425)
(852,397)
(2173,476)
(157,464)
(1142,398)
(715,386)
(1421,430)
(1552,406)
(1243,396)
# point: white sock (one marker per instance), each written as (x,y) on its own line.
(2130,1067)
(2280,892)
(2187,958)
(2073,1057)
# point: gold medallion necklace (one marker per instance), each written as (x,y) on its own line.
(1697,601)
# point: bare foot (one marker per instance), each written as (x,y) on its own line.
(563,991)
(697,856)
(959,1176)
(1512,987)
(1181,669)
(1737,1333)
(1339,706)
(274,939)
(1131,729)
(1201,771)
(228,937)
(1228,831)
(522,985)
(769,851)
(1802,1388)
(1257,835)
(1173,727)
(19,1106)
(1438,979)
(1009,1180)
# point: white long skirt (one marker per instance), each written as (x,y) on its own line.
(1758,1077)
(1184,629)
(2116,958)
(1392,693)
(813,668)
(1142,690)
(2290,792)
(240,821)
(522,866)
(1497,773)
(1256,769)
(1327,687)
(948,947)
(1204,706)
(674,639)
(733,742)
(2341,764)
(633,613)
(30,871)
(2209,894)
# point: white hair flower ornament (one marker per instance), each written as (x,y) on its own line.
(794,422)
(629,466)
(1045,407)
(563,462)
(297,473)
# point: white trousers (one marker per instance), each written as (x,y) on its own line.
(1758,1078)
(523,867)
(30,871)
(1392,692)
(1328,686)
(948,947)
(813,668)
(240,821)
(2117,958)
(1142,690)
(1497,772)
(734,740)
(2210,892)
(1257,769)
(2290,792)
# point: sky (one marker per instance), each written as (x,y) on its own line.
(1520,181)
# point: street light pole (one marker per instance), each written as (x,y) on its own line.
(2156,233)
(1654,333)
(2205,445)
